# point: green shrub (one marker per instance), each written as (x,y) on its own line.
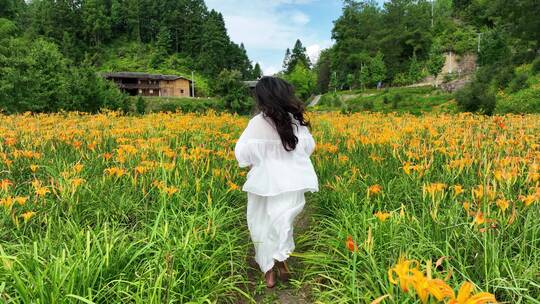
(524,101)
(478,97)
(140,106)
(125,106)
(368,105)
(505,75)
(396,100)
(185,105)
(535,68)
(330,100)
(401,79)
(235,94)
(519,82)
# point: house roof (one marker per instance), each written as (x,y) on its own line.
(142,75)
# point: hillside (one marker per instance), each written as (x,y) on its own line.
(90,36)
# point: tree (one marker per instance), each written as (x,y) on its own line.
(235,94)
(415,70)
(97,24)
(377,69)
(286,59)
(304,81)
(477,96)
(257,71)
(215,43)
(140,105)
(435,62)
(323,70)
(298,56)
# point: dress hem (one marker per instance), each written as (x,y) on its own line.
(305,189)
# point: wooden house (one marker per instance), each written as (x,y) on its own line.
(144,84)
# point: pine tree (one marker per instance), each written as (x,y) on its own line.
(97,24)
(257,71)
(323,72)
(216,42)
(298,56)
(377,69)
(286,59)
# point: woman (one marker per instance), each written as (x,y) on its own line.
(276,145)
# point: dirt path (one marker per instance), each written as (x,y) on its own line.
(295,291)
(315,101)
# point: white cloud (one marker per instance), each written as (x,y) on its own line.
(267,26)
(313,51)
(270,70)
(300,18)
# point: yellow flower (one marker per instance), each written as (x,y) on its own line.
(343,158)
(403,272)
(21,200)
(528,200)
(458,189)
(78,168)
(233,186)
(5,184)
(6,202)
(503,204)
(382,216)
(76,182)
(114,171)
(34,168)
(479,218)
(374,189)
(465,296)
(28,215)
(42,191)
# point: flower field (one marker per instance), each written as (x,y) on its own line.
(123,209)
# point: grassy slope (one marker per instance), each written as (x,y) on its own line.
(401,100)
(526,100)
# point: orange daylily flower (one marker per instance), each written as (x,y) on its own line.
(382,216)
(465,296)
(350,244)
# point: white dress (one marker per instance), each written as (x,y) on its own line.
(275,184)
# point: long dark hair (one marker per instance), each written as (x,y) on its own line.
(275,99)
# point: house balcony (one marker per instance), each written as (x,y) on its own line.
(138,86)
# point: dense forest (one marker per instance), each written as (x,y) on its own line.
(50,50)
(403,42)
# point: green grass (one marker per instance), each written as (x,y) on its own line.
(182,104)
(401,100)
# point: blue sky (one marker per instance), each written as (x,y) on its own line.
(268,27)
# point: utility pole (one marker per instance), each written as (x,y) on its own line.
(432,11)
(192,84)
(479,35)
(335,84)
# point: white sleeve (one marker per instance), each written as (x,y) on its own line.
(257,129)
(310,145)
(241,150)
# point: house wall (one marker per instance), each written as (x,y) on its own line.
(175,88)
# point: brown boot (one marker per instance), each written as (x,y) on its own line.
(270,277)
(283,269)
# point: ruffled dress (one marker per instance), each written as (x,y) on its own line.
(276,183)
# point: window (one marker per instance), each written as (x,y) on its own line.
(151,91)
(140,91)
(181,91)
